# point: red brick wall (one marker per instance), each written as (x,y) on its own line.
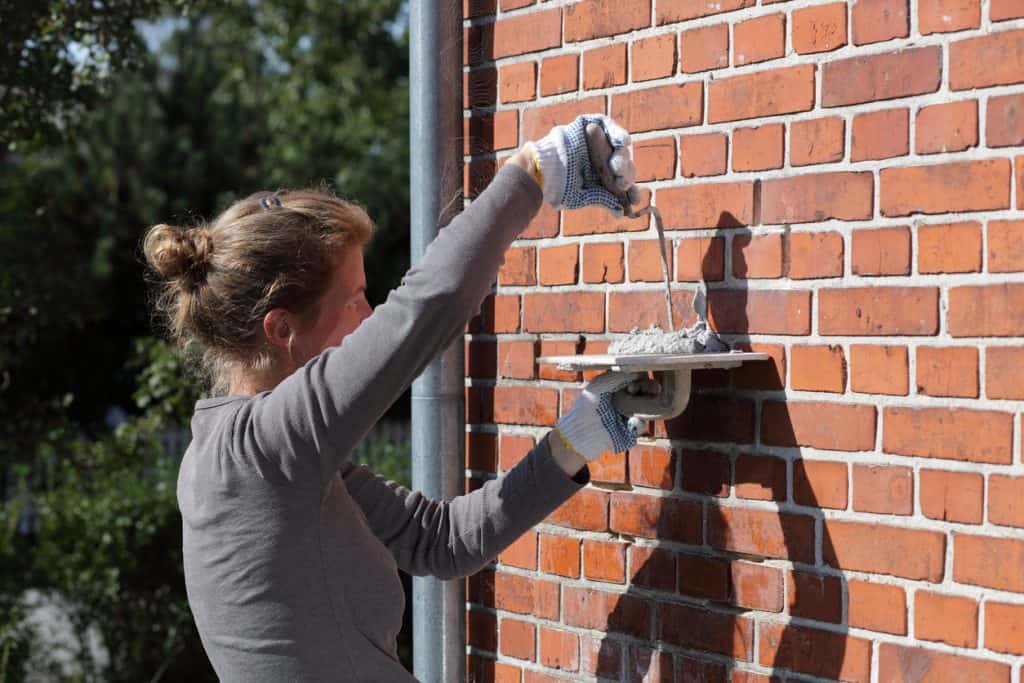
(849,177)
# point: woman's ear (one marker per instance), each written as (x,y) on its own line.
(277,328)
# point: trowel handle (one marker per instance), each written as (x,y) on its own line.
(600,155)
(670,402)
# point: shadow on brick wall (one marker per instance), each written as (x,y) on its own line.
(708,607)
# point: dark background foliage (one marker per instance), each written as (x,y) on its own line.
(116,115)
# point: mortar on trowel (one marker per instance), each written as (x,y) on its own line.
(671,356)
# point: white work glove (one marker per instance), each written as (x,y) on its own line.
(593,426)
(570,179)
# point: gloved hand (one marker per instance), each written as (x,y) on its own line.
(593,426)
(569,178)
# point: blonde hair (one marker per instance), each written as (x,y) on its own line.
(270,250)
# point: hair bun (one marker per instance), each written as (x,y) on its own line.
(177,254)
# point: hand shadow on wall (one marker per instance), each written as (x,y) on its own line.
(730,573)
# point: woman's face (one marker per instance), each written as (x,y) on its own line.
(342,308)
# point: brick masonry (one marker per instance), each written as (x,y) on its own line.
(849,179)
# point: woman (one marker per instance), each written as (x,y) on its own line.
(290,549)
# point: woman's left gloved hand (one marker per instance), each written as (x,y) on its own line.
(570,179)
(593,425)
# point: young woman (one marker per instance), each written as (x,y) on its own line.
(290,549)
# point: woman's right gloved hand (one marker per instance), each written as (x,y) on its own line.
(569,178)
(593,426)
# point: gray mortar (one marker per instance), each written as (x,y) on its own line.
(698,339)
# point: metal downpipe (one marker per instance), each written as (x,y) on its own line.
(438,404)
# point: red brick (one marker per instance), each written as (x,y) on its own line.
(875,21)
(879,369)
(944,16)
(552,347)
(481,451)
(712,418)
(950,248)
(507,5)
(912,71)
(819,29)
(947,127)
(768,374)
(880,135)
(480,88)
(818,368)
(950,371)
(603,262)
(992,59)
(815,596)
(516,358)
(653,665)
(522,553)
(489,132)
(564,312)
(756,586)
(666,106)
(765,93)
(525,405)
(815,255)
(609,468)
(739,311)
(758,149)
(878,311)
(881,251)
(883,490)
(703,155)
(1004,372)
(652,568)
(627,310)
(946,188)
(817,141)
(760,477)
(1006,500)
(831,426)
(513,449)
(986,311)
(597,610)
(703,49)
(645,261)
(481,359)
(654,57)
(1019,165)
(655,159)
(898,664)
(1005,121)
(700,258)
(651,466)
(559,265)
(707,205)
(759,39)
(877,607)
(604,67)
(604,561)
(763,533)
(989,561)
(587,509)
(719,632)
(949,433)
(482,630)
(952,496)
(594,220)
(757,256)
(1001,10)
(1004,627)
(559,74)
(560,555)
(818,197)
(559,649)
(671,11)
(820,484)
(517,639)
(706,472)
(599,656)
(946,618)
(597,18)
(703,577)
(544,224)
(876,549)
(477,175)
(524,595)
(524,33)
(814,652)
(1005,246)
(539,120)
(655,517)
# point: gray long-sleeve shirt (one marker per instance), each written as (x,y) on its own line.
(291,551)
